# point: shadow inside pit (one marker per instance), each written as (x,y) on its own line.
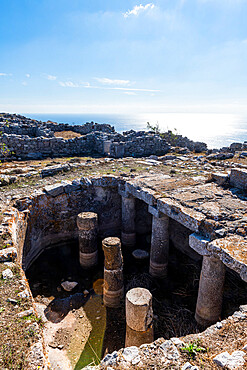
(58,308)
(174,298)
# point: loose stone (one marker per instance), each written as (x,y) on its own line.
(69,285)
(7,274)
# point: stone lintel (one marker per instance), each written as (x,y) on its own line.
(124,194)
(147,195)
(199,244)
(232,251)
(54,190)
(105,181)
(154,211)
(185,216)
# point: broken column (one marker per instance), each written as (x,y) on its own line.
(113,289)
(210,293)
(87,223)
(139,317)
(128,221)
(159,246)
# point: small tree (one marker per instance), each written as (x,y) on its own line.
(155,129)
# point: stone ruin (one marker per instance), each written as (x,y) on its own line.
(202,219)
(30,139)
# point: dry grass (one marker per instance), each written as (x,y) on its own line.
(17,335)
(67,134)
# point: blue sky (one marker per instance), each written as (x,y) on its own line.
(111,56)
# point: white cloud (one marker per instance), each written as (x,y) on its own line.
(24,83)
(87,85)
(27,75)
(5,74)
(68,84)
(130,93)
(130,89)
(50,77)
(138,9)
(118,88)
(108,81)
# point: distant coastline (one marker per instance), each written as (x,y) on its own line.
(217,130)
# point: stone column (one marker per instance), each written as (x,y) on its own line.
(159,252)
(210,293)
(128,221)
(139,317)
(113,289)
(87,223)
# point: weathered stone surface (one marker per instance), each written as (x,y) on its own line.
(187,217)
(26,313)
(159,252)
(220,156)
(128,235)
(54,190)
(139,312)
(232,251)
(24,294)
(222,359)
(69,186)
(113,254)
(7,274)
(54,170)
(199,244)
(170,350)
(69,285)
(8,254)
(210,293)
(220,178)
(188,366)
(87,223)
(234,361)
(143,194)
(140,254)
(130,353)
(238,178)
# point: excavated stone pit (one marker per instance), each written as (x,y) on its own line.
(176,223)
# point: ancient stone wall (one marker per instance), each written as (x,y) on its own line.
(53,213)
(80,129)
(25,147)
(29,139)
(184,142)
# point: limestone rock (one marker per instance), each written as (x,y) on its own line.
(54,190)
(140,254)
(23,294)
(7,274)
(69,285)
(130,353)
(8,254)
(234,361)
(238,178)
(25,313)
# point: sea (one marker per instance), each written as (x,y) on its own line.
(217,130)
